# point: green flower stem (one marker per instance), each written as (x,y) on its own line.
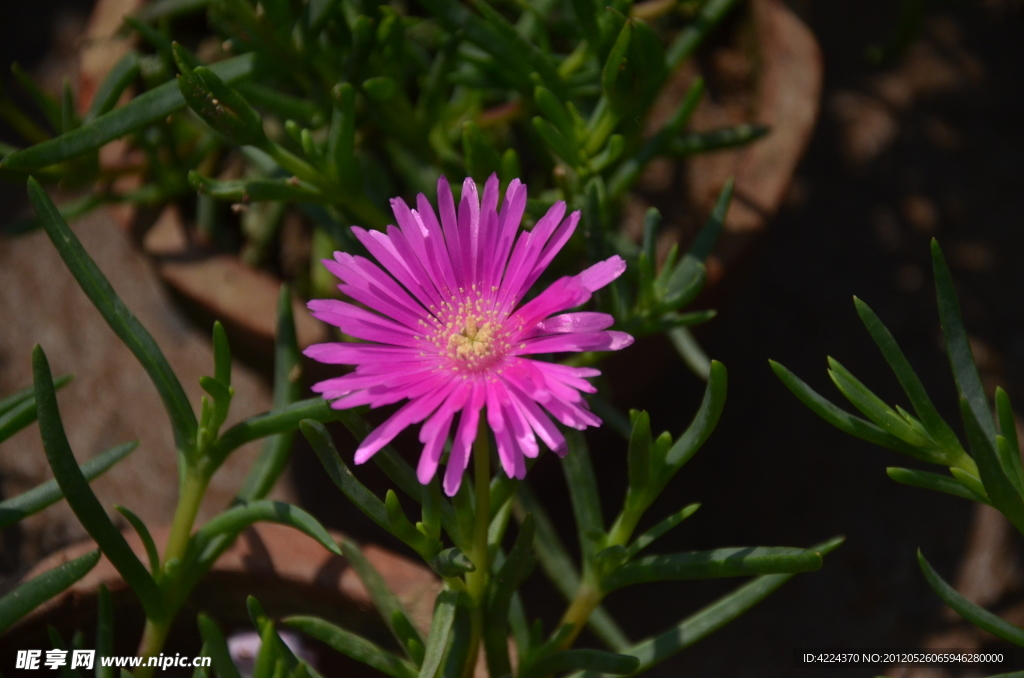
(589,594)
(588,597)
(155,634)
(477,580)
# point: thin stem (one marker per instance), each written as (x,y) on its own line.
(588,597)
(155,634)
(476,581)
(153,638)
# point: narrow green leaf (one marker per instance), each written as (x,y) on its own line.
(169,9)
(80,497)
(147,539)
(629,171)
(221,355)
(706,621)
(49,107)
(455,17)
(726,562)
(383,598)
(616,61)
(703,423)
(285,106)
(708,235)
(1004,410)
(114,84)
(965,371)
(57,643)
(933,481)
(690,38)
(978,616)
(513,572)
(555,142)
(587,660)
(41,496)
(690,351)
(403,529)
(237,518)
(220,105)
(256,190)
(875,409)
(454,663)
(259,618)
(440,627)
(844,421)
(398,470)
(692,143)
(909,380)
(104,632)
(145,109)
(556,113)
(278,420)
(216,648)
(29,394)
(531,55)
(586,501)
(659,530)
(639,454)
(481,157)
(118,317)
(33,593)
(339,473)
(998,486)
(352,645)
(1009,460)
(341,142)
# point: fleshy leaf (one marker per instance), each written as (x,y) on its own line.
(726,562)
(706,621)
(440,628)
(383,599)
(978,616)
(216,648)
(79,496)
(41,496)
(933,481)
(118,317)
(33,593)
(965,371)
(143,110)
(352,645)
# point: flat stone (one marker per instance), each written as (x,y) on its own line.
(111,399)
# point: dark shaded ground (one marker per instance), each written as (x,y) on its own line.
(931,146)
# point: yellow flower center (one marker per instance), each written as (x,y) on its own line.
(470,334)
(475,340)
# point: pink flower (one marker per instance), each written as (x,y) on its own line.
(444,328)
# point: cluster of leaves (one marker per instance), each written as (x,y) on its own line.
(338,105)
(610,558)
(990,474)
